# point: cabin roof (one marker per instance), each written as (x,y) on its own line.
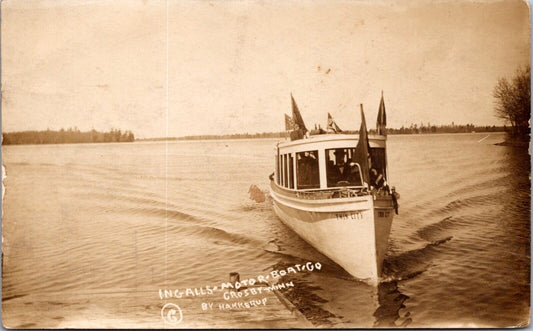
(330,141)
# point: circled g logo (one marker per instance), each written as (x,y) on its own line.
(171,313)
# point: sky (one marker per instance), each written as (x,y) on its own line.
(177,68)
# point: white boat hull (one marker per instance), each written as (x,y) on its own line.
(351,231)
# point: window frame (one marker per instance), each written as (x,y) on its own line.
(301,184)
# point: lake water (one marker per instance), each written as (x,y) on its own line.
(83,221)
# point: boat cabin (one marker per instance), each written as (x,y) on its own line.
(323,162)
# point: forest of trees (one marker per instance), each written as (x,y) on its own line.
(69,136)
(73,135)
(513,102)
(453,128)
(412,129)
(225,136)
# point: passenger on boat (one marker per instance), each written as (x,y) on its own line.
(353,176)
(341,163)
(303,169)
(333,173)
(313,166)
(346,166)
(339,156)
(307,170)
(377,180)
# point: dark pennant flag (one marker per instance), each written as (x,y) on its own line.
(297,117)
(362,150)
(381,123)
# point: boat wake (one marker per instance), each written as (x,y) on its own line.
(431,231)
(190,225)
(216,234)
(170,214)
(412,263)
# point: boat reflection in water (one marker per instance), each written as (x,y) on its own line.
(391,302)
(332,298)
(331,188)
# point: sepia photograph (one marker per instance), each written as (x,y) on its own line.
(261,164)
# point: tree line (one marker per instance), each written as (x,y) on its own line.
(412,129)
(73,135)
(513,102)
(453,128)
(69,136)
(224,136)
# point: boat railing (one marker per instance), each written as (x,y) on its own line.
(333,193)
(323,193)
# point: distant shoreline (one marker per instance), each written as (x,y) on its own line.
(284,135)
(74,136)
(69,136)
(515,143)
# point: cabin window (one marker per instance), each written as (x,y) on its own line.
(277,170)
(307,170)
(291,171)
(341,170)
(282,167)
(285,171)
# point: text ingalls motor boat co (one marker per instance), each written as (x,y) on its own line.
(330,187)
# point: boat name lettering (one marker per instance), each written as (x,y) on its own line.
(349,216)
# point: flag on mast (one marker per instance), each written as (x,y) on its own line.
(362,154)
(332,126)
(381,123)
(289,123)
(297,117)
